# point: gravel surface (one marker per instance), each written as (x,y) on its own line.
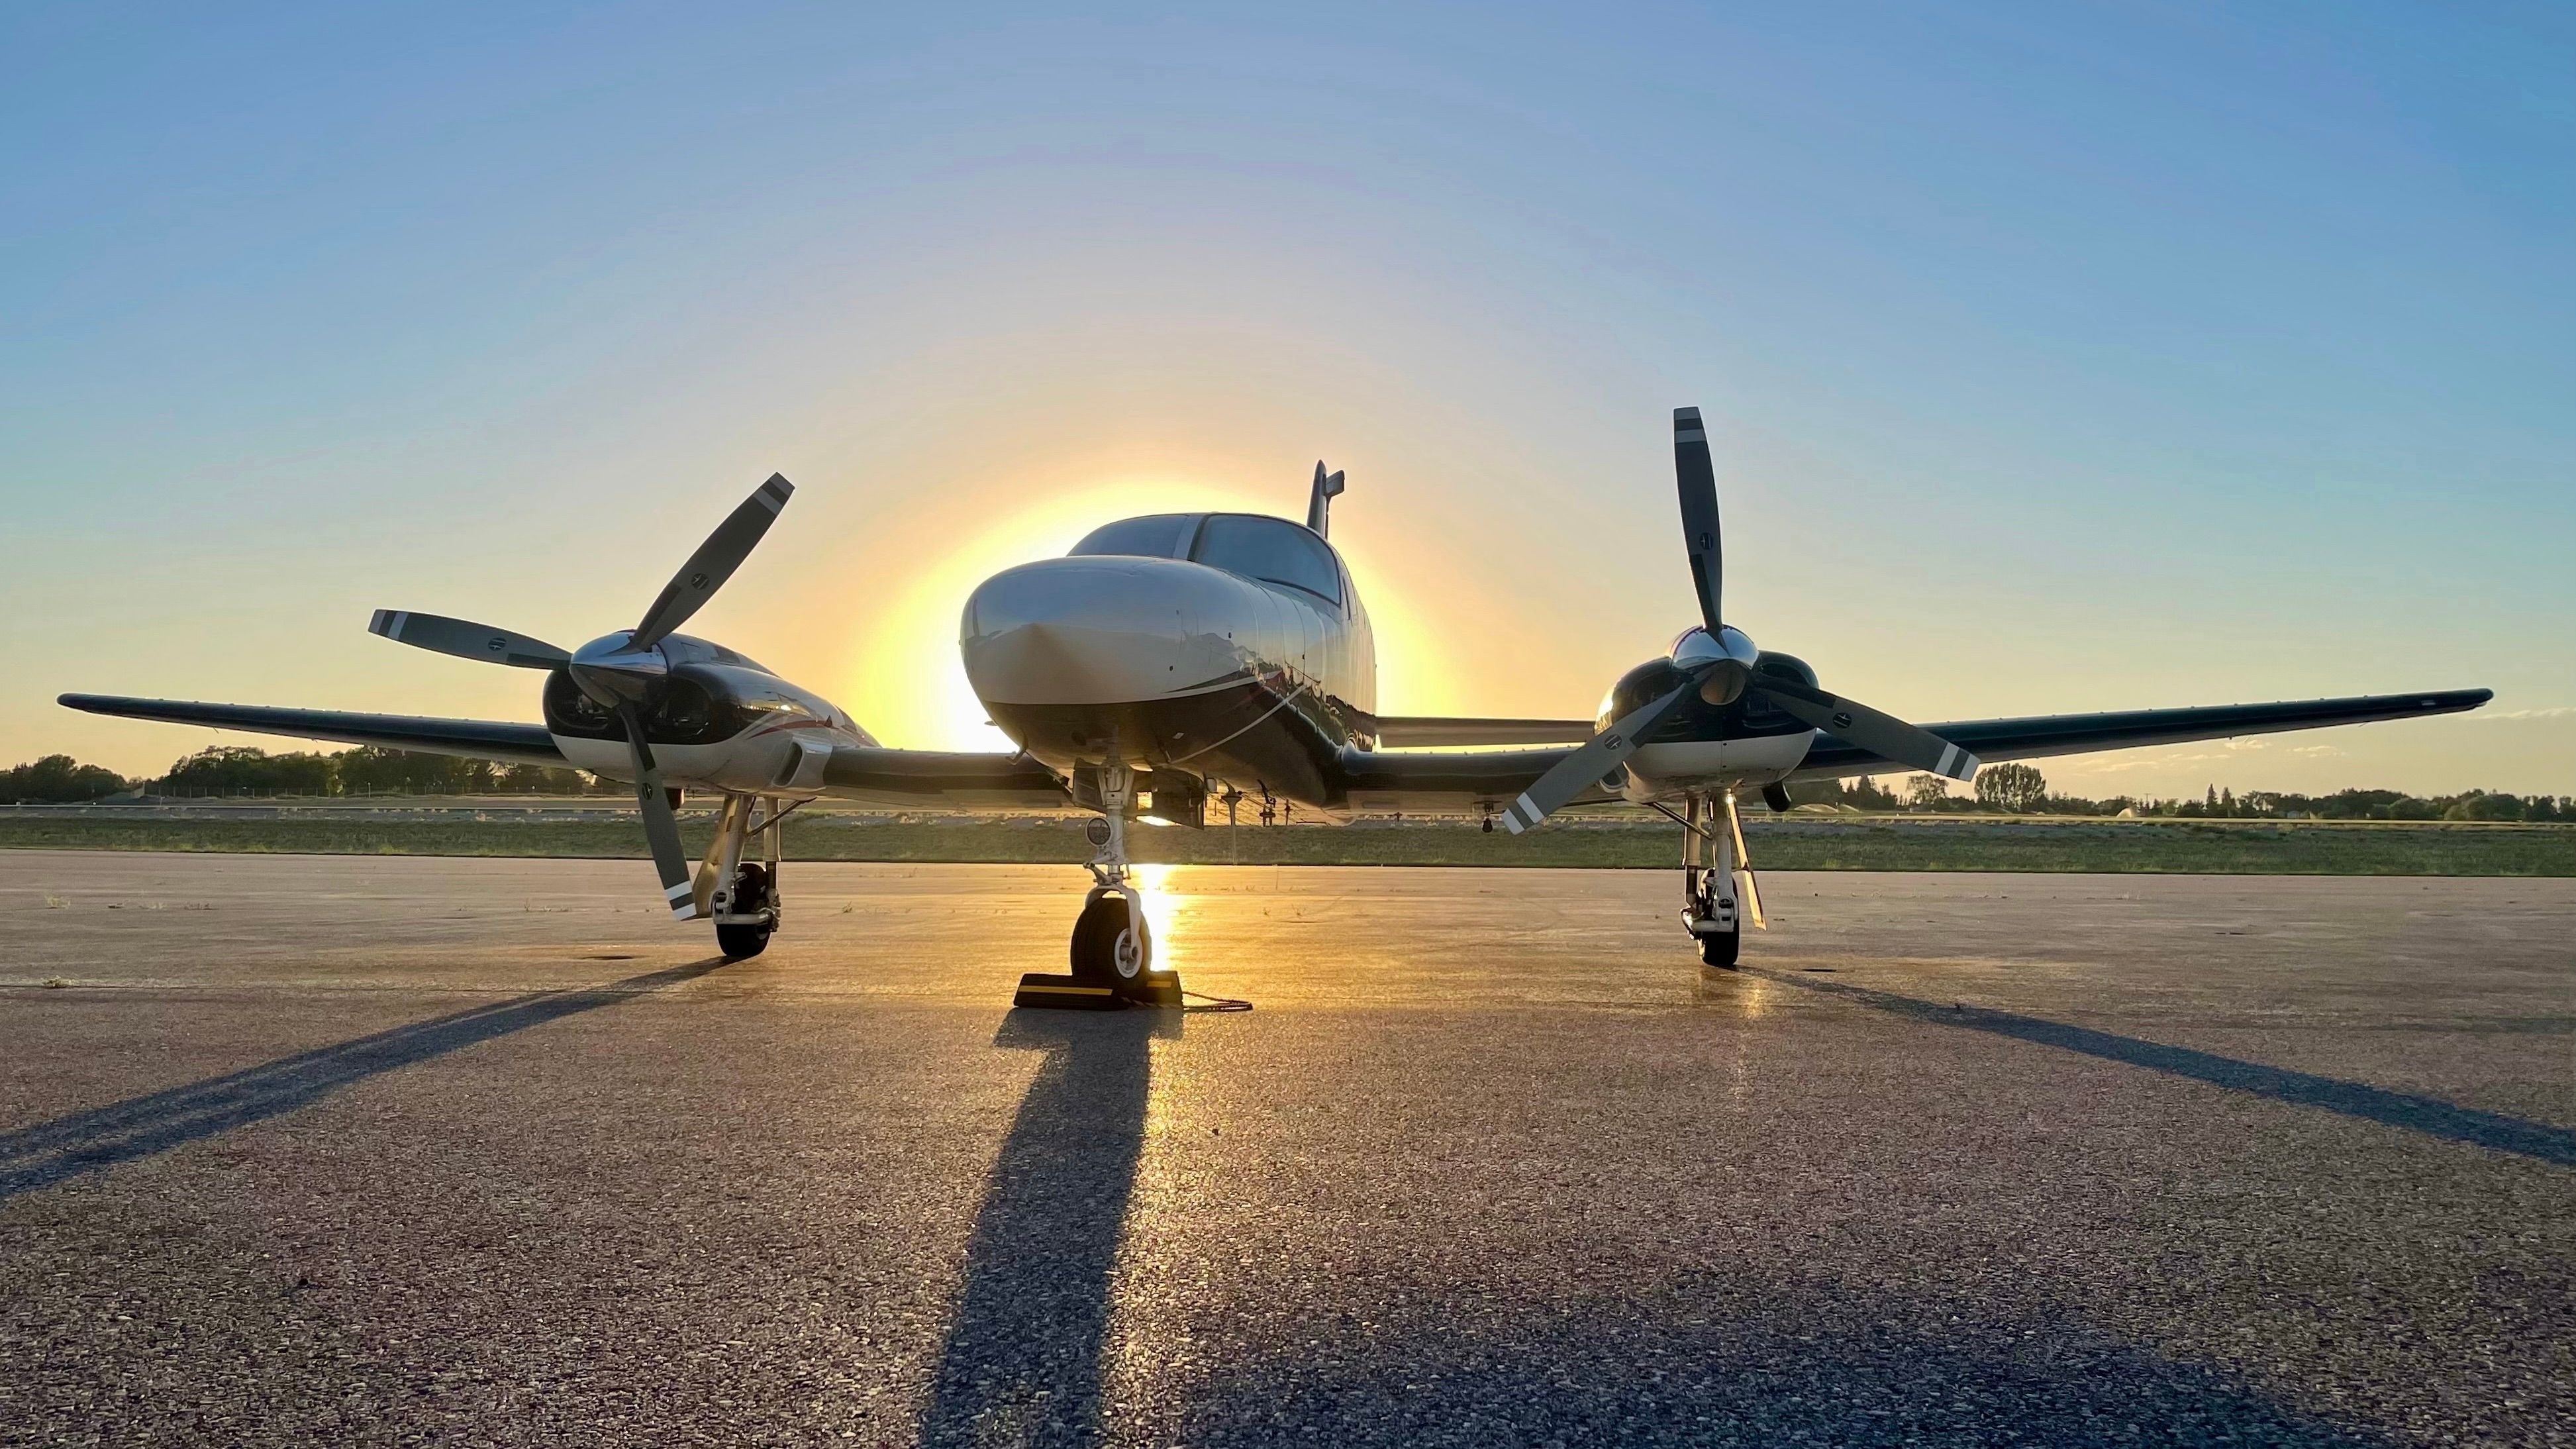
(363,1151)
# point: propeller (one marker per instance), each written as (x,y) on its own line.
(1716,661)
(714,562)
(466,639)
(661,823)
(621,671)
(1744,864)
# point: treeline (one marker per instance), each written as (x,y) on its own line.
(2018,789)
(58,779)
(248,770)
(2014,789)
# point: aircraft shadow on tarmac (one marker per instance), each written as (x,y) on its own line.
(1721,1357)
(51,1152)
(2429,1115)
(1022,1360)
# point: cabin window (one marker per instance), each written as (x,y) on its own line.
(1272,550)
(1158,536)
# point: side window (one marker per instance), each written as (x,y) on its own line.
(1154,537)
(1271,550)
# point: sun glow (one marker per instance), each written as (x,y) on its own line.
(909,682)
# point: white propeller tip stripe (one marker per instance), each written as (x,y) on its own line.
(1957,764)
(388,623)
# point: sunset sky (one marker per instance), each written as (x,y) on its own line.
(2057,358)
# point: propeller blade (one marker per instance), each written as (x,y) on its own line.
(1881,734)
(661,826)
(714,562)
(1585,768)
(1698,479)
(465,639)
(1747,891)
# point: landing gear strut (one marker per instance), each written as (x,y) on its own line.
(741,896)
(1717,881)
(1113,948)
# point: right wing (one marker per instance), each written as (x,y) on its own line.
(473,738)
(943,780)
(917,779)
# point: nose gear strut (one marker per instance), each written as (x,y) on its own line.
(1113,947)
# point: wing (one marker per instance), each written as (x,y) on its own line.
(1372,782)
(1409,731)
(473,738)
(920,779)
(1995,740)
(1463,781)
(938,779)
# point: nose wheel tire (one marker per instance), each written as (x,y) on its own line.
(1110,949)
(750,896)
(1718,948)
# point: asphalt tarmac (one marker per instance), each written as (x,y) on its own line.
(361,1151)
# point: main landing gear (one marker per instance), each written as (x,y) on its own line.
(1718,894)
(1113,947)
(742,896)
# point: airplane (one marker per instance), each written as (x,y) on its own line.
(1176,658)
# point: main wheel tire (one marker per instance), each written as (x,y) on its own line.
(1107,951)
(739,942)
(1719,949)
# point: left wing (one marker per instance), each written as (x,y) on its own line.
(1373,781)
(2039,736)
(473,738)
(1410,731)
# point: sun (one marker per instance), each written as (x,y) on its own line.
(911,688)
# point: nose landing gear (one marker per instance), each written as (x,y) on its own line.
(741,896)
(1113,948)
(1716,877)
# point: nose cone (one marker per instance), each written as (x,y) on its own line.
(1086,631)
(609,669)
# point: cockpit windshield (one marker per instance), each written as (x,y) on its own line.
(1156,536)
(1272,550)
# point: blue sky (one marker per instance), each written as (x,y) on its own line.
(2059,357)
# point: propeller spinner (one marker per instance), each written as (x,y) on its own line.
(1716,660)
(621,670)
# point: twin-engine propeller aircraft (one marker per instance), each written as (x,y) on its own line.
(1177,658)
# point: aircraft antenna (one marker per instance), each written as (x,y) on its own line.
(1319,506)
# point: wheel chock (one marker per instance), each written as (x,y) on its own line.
(1046,991)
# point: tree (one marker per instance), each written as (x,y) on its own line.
(2013,788)
(375,770)
(249,770)
(56,780)
(1926,792)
